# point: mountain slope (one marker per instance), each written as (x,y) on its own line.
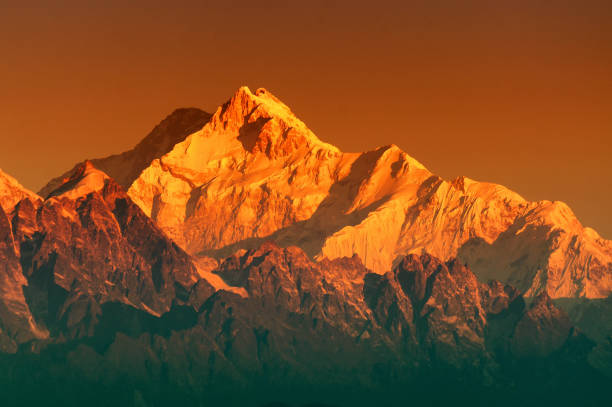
(17,324)
(11,192)
(255,172)
(125,167)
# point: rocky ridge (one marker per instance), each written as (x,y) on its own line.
(84,246)
(301,327)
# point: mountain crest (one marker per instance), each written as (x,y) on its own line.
(83,180)
(11,192)
(264,124)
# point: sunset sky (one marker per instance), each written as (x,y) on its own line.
(513,92)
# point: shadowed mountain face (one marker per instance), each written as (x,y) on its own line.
(124,168)
(249,262)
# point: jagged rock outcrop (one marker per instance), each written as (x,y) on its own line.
(287,279)
(17,324)
(443,309)
(87,245)
(434,310)
(543,329)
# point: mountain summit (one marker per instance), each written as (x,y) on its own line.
(255,172)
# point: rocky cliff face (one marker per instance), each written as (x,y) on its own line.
(255,172)
(435,311)
(333,326)
(17,324)
(87,245)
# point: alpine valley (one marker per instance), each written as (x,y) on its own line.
(237,259)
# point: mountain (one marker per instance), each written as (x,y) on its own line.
(255,172)
(86,245)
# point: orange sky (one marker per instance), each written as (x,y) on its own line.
(514,92)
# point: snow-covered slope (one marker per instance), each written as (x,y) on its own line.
(82,180)
(11,192)
(125,167)
(255,172)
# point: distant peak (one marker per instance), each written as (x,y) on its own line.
(263,124)
(244,103)
(84,179)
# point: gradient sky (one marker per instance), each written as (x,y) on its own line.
(514,92)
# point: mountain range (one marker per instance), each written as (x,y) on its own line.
(255,172)
(236,256)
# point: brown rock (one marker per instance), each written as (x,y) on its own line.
(542,330)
